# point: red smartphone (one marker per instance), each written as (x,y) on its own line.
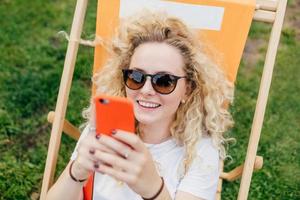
(113,113)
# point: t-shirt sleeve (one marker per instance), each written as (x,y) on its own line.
(84,133)
(202,178)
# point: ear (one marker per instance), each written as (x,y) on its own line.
(188,91)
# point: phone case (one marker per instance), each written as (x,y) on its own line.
(113,113)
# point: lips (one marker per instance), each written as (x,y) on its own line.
(147,104)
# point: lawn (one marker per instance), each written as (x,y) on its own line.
(31,60)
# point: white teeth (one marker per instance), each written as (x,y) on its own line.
(148,105)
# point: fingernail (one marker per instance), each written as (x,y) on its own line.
(96,165)
(114,132)
(98,136)
(92,151)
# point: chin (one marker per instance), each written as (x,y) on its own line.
(146,120)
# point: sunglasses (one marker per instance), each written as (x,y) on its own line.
(161,82)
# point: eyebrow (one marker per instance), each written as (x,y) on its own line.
(159,72)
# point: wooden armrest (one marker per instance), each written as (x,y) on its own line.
(68,128)
(237,172)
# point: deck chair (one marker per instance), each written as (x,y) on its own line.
(227,30)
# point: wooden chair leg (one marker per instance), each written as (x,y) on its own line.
(262,100)
(63,95)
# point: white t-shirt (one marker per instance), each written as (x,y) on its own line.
(201,180)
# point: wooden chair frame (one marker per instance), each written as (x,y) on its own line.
(269,11)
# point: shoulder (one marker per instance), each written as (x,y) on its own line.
(207,156)
(201,179)
(207,150)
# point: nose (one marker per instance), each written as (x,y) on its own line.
(147,89)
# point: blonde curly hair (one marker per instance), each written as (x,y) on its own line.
(204,112)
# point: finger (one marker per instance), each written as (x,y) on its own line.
(92,120)
(87,154)
(131,139)
(86,163)
(90,153)
(116,162)
(93,115)
(119,147)
(88,160)
(101,147)
(92,143)
(117,174)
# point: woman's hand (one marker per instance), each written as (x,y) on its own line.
(86,161)
(130,162)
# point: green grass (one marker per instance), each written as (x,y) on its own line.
(32,57)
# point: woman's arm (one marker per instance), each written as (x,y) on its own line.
(164,195)
(186,196)
(132,164)
(65,188)
(201,180)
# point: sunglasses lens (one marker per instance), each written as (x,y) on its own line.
(134,79)
(164,83)
(161,83)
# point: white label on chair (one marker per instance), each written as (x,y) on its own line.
(196,16)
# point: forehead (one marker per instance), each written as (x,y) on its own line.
(153,57)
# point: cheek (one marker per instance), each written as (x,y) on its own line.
(175,98)
(130,94)
(172,103)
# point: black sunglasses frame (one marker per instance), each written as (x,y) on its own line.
(152,76)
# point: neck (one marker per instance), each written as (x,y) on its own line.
(154,134)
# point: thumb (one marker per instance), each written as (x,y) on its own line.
(93,115)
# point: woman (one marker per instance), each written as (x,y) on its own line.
(178,97)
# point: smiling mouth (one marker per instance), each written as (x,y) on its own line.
(145,104)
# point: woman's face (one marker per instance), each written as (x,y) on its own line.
(150,106)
